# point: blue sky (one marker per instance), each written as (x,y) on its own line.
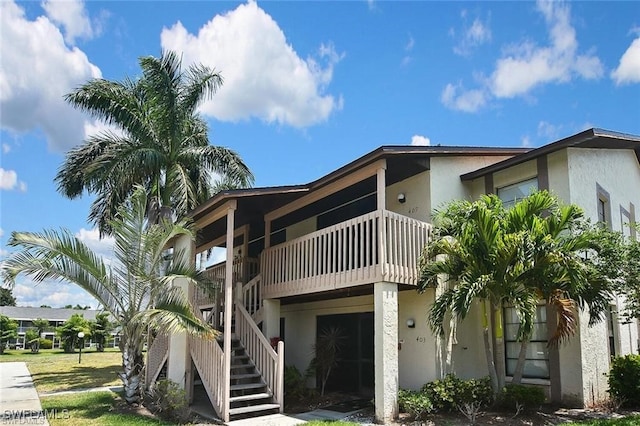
(310,86)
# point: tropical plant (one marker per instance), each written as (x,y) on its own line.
(8,331)
(68,332)
(162,142)
(136,288)
(327,348)
(33,335)
(6,297)
(518,256)
(100,329)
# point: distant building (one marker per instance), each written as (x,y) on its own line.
(25,315)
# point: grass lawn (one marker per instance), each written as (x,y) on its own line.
(91,408)
(626,421)
(330,422)
(53,370)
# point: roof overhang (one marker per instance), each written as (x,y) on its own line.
(592,138)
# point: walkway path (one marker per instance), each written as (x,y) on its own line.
(19,400)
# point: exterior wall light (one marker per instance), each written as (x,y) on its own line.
(402,198)
(411,323)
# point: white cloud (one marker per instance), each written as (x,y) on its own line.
(9,181)
(6,148)
(420,140)
(36,71)
(51,293)
(472,36)
(525,142)
(628,70)
(407,58)
(263,75)
(101,246)
(455,97)
(548,130)
(72,16)
(409,46)
(1,232)
(527,65)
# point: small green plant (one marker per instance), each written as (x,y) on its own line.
(416,404)
(450,393)
(523,398)
(46,343)
(624,380)
(169,401)
(295,386)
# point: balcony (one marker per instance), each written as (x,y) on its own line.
(377,246)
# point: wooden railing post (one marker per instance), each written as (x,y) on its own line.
(280,376)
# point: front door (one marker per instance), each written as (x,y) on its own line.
(354,372)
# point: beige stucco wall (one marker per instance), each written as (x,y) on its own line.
(618,173)
(445,178)
(416,191)
(515,174)
(417,358)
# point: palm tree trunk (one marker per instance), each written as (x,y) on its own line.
(487,350)
(132,364)
(499,348)
(517,374)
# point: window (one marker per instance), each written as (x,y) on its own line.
(537,357)
(510,194)
(611,321)
(603,206)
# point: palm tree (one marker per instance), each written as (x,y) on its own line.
(515,256)
(137,288)
(556,270)
(471,249)
(164,144)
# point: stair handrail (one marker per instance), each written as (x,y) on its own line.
(251,297)
(268,362)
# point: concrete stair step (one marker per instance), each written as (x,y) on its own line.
(252,409)
(247,386)
(250,397)
(244,376)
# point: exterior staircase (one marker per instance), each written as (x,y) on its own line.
(250,395)
(255,384)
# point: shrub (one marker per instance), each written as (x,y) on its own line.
(295,384)
(169,401)
(624,380)
(522,397)
(46,344)
(450,393)
(416,404)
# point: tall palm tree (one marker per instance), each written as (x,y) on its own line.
(162,145)
(515,256)
(136,288)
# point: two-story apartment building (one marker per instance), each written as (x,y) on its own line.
(25,315)
(343,250)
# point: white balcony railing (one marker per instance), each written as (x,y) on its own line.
(377,246)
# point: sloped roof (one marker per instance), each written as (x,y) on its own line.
(592,138)
(51,314)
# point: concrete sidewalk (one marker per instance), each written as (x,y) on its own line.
(18,396)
